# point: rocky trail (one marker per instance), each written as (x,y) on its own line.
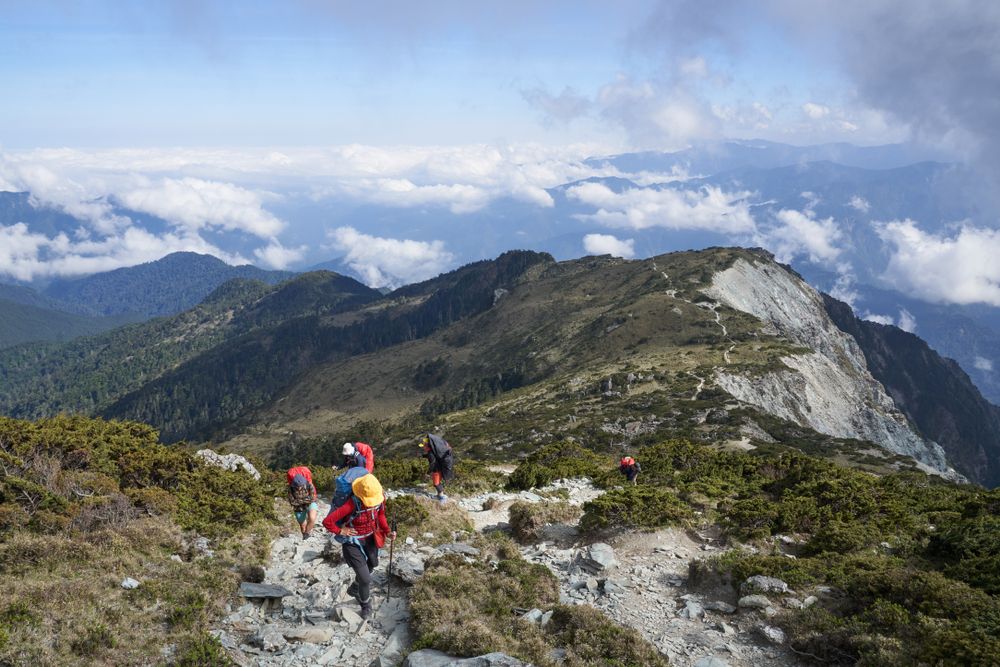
(302,614)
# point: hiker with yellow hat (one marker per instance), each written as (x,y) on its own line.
(361,528)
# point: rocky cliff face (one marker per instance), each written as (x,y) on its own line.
(936,395)
(829,388)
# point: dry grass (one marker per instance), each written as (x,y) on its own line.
(417,516)
(78,614)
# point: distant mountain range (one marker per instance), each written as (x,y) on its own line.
(854,186)
(675,339)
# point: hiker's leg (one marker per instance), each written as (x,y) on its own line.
(436,478)
(371,551)
(311,520)
(302,518)
(358,562)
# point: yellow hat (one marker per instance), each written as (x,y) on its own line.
(368,489)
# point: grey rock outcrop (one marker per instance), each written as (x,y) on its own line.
(829,388)
(597,558)
(262,591)
(761,584)
(432,658)
(231,462)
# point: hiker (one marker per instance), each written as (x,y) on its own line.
(358,455)
(629,467)
(302,497)
(441,462)
(360,526)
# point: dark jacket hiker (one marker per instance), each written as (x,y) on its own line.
(440,461)
(629,467)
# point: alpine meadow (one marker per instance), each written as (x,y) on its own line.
(489,334)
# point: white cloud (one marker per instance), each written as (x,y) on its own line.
(562,108)
(606,244)
(859,204)
(907,322)
(277,256)
(880,319)
(959,269)
(390,262)
(26,255)
(195,203)
(800,234)
(983,364)
(815,111)
(709,208)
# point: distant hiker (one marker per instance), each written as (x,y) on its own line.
(629,467)
(302,497)
(441,461)
(358,455)
(363,532)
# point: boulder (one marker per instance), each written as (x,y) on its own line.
(809,601)
(761,584)
(408,567)
(533,616)
(311,634)
(597,558)
(754,602)
(270,639)
(231,462)
(692,610)
(352,618)
(458,548)
(128,583)
(773,634)
(263,591)
(710,661)
(720,606)
(432,658)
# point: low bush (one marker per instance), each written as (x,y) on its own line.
(590,639)
(416,515)
(633,507)
(528,519)
(561,460)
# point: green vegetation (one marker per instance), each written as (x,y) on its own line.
(468,609)
(24,323)
(633,507)
(912,560)
(416,516)
(85,503)
(560,460)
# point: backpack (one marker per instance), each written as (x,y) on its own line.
(367,452)
(299,470)
(441,451)
(342,486)
(300,493)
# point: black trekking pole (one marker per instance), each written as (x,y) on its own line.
(392,543)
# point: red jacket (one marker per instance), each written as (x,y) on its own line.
(368,522)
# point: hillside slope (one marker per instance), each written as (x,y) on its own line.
(933,392)
(164,287)
(23,323)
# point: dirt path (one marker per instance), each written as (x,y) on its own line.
(316,622)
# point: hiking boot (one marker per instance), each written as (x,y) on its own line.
(352,590)
(442,498)
(366,610)
(306,536)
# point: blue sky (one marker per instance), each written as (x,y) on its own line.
(102,74)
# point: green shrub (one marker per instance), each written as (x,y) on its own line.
(202,651)
(528,519)
(153,499)
(558,461)
(416,515)
(94,641)
(214,502)
(590,639)
(633,507)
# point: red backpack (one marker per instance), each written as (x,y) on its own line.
(367,452)
(299,470)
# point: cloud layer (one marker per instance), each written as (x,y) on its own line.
(386,262)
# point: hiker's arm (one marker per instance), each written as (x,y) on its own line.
(335,515)
(315,496)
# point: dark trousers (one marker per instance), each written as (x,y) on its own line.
(362,564)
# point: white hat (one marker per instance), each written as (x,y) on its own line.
(348,448)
